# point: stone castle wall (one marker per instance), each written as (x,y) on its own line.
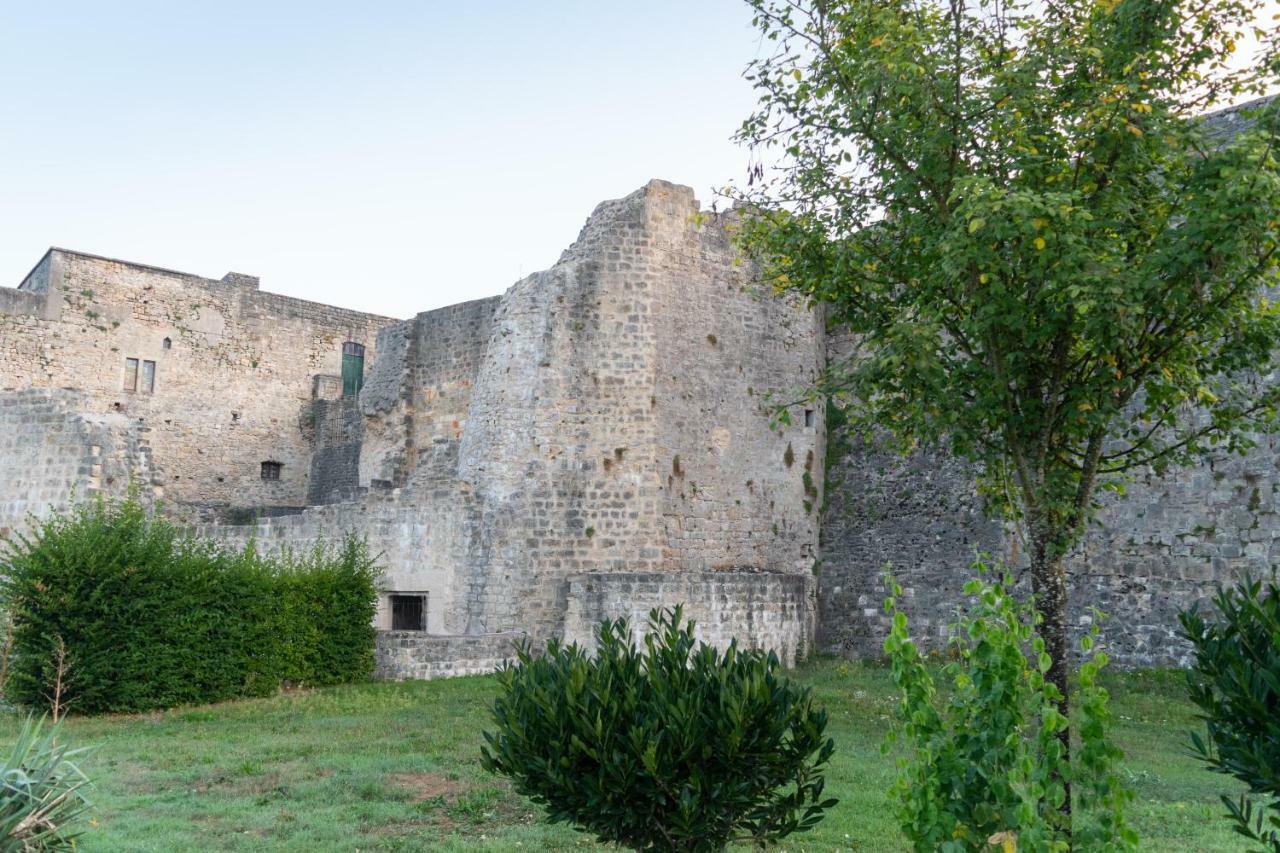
(234,367)
(1165,546)
(53,452)
(605,416)
(595,442)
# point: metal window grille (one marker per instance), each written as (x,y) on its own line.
(408,612)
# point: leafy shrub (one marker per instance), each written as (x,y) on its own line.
(41,791)
(673,747)
(1236,684)
(986,766)
(153,618)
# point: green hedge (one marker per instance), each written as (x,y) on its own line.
(152,618)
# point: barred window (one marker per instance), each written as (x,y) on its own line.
(408,612)
(271,470)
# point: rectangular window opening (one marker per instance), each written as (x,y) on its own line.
(352,368)
(271,470)
(808,417)
(408,612)
(148,377)
(131,374)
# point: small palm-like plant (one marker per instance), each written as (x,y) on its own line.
(41,791)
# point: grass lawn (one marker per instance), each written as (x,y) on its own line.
(394,767)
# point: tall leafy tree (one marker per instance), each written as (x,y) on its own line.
(1052,265)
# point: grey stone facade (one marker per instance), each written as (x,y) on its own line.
(593,443)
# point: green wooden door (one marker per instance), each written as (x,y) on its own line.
(352,369)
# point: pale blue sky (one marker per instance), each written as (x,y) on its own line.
(387,156)
(391,157)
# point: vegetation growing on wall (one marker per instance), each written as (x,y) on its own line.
(114,609)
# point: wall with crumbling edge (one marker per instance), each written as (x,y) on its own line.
(232,387)
(739,491)
(524,439)
(592,387)
(52,451)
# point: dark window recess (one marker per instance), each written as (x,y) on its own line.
(408,612)
(352,368)
(271,470)
(808,417)
(131,374)
(148,385)
(167,343)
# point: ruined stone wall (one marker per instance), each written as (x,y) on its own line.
(1161,548)
(607,417)
(525,440)
(1169,542)
(605,369)
(233,372)
(738,490)
(419,541)
(918,515)
(51,451)
(448,348)
(335,427)
(419,392)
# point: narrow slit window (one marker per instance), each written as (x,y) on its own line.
(148,377)
(352,368)
(409,612)
(271,470)
(808,417)
(131,374)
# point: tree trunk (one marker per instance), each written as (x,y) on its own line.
(1049,583)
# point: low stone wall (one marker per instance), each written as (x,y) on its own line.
(412,654)
(761,610)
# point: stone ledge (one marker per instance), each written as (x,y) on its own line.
(760,609)
(416,655)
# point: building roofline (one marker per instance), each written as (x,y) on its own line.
(181,274)
(47,252)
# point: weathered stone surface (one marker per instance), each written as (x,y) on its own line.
(234,368)
(604,417)
(595,442)
(761,610)
(53,451)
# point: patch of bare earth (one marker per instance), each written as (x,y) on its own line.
(428,786)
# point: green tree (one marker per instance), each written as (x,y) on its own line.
(1053,268)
